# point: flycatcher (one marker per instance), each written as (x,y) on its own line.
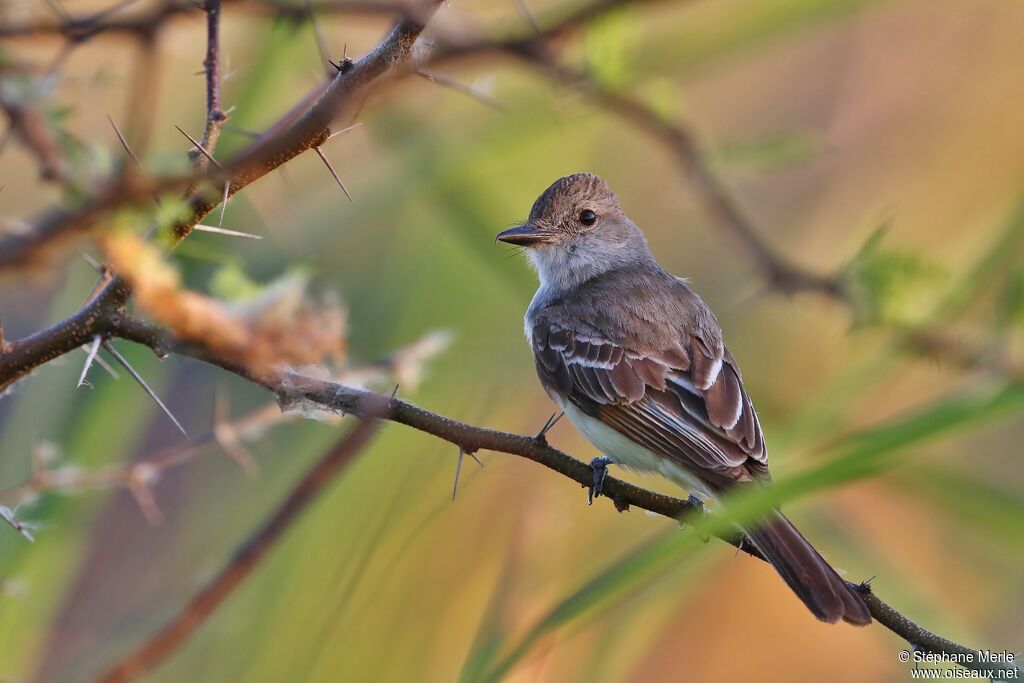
(636,360)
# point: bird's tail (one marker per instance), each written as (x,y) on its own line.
(807,573)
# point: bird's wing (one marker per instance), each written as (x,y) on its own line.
(686,403)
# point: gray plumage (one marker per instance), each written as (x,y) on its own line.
(636,360)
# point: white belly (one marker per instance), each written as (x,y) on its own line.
(626,452)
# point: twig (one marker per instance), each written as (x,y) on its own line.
(244,561)
(72,480)
(215,116)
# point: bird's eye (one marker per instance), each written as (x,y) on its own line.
(588,217)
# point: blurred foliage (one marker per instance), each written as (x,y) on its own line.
(889,286)
(822,115)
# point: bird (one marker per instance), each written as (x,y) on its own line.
(636,360)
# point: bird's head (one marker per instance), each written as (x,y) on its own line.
(577,230)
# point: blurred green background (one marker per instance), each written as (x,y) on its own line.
(830,120)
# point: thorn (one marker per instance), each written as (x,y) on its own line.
(96,265)
(394,392)
(9,516)
(128,150)
(458,469)
(459,87)
(242,131)
(343,65)
(224,231)
(124,141)
(224,203)
(138,378)
(94,348)
(541,436)
(334,173)
(528,14)
(318,33)
(199,147)
(343,130)
(473,455)
(230,75)
(104,364)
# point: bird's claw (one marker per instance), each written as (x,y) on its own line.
(698,504)
(600,467)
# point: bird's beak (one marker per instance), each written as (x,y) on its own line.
(524,235)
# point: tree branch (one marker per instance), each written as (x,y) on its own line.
(268,152)
(264,155)
(295,391)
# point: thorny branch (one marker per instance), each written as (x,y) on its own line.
(215,116)
(296,391)
(265,154)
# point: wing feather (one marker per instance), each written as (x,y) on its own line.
(685,402)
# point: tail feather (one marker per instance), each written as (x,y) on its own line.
(807,573)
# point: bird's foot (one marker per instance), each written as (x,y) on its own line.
(542,436)
(698,505)
(600,467)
